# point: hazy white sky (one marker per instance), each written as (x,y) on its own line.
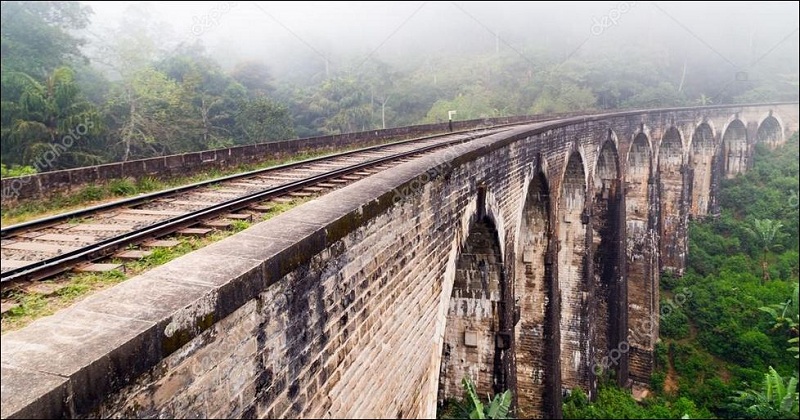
(273,31)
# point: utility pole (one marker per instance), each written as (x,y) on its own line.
(383,111)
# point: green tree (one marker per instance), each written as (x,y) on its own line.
(381,79)
(473,103)
(768,233)
(38,37)
(50,118)
(564,96)
(261,120)
(411,100)
(255,76)
(143,109)
(341,105)
(209,98)
(144,106)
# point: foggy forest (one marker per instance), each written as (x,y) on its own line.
(150,79)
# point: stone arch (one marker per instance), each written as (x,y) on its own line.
(703,137)
(734,148)
(770,131)
(641,255)
(474,304)
(606,169)
(640,160)
(536,332)
(670,149)
(607,291)
(701,159)
(571,277)
(672,219)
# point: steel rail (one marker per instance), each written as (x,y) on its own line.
(55,265)
(144,198)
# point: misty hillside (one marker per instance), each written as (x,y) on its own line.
(145,79)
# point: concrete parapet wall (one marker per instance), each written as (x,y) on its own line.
(48,184)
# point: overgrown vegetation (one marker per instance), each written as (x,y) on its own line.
(615,403)
(730,351)
(72,97)
(470,405)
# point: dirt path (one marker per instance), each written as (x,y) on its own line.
(671,381)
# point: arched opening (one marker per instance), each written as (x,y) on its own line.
(536,330)
(672,223)
(471,338)
(573,287)
(701,161)
(641,257)
(636,197)
(770,132)
(734,148)
(608,293)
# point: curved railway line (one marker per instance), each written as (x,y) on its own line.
(43,248)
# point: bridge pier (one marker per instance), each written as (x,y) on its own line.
(535,333)
(641,255)
(609,311)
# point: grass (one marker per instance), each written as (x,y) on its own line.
(92,194)
(36,305)
(239,225)
(72,287)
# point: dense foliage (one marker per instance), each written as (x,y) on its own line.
(60,109)
(132,93)
(724,352)
(615,403)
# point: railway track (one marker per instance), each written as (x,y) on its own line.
(46,247)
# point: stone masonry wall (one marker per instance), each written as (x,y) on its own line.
(533,286)
(473,316)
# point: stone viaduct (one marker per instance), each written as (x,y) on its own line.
(527,260)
